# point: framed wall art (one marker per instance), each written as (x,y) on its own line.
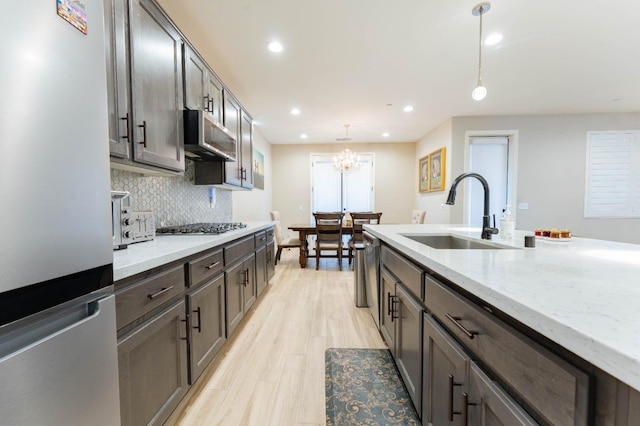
(423,174)
(437,163)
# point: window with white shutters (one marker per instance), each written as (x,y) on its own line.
(612,184)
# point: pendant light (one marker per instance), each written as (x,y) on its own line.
(348,161)
(480,91)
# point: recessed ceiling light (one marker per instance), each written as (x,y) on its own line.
(303,136)
(295,111)
(385,135)
(408,108)
(275,47)
(494,38)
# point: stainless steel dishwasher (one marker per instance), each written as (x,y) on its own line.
(372,268)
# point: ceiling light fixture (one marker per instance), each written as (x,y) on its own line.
(303,136)
(275,47)
(480,91)
(348,161)
(295,111)
(494,38)
(408,108)
(385,135)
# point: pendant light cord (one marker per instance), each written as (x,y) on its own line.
(480,50)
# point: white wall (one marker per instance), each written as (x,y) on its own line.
(255,205)
(395,179)
(551,170)
(433,202)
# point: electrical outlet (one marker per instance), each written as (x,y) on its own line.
(523,206)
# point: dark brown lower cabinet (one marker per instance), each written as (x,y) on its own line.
(401,327)
(445,369)
(207,324)
(271,260)
(240,284)
(152,361)
(456,391)
(261,269)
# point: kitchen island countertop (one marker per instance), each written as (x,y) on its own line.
(583,294)
(140,257)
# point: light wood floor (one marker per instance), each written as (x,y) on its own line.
(272,371)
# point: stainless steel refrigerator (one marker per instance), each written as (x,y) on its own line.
(58,353)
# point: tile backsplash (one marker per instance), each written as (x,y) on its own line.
(174,200)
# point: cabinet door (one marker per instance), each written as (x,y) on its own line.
(445,370)
(246,145)
(408,354)
(261,269)
(234,279)
(157,87)
(214,96)
(249,289)
(489,405)
(233,169)
(117,79)
(152,364)
(195,81)
(207,325)
(271,265)
(388,292)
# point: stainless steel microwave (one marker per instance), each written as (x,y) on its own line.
(206,139)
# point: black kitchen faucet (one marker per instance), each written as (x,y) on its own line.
(487,230)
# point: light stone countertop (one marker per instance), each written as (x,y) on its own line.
(583,294)
(140,257)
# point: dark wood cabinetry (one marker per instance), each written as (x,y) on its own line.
(207,324)
(152,362)
(147,133)
(240,290)
(401,322)
(202,88)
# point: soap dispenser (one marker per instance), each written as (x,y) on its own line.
(507,224)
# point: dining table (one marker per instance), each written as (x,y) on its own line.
(306,229)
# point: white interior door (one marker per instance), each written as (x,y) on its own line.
(489,157)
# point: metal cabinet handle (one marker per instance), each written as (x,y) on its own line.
(452,384)
(186,326)
(245,277)
(394,300)
(465,408)
(199,326)
(126,119)
(210,105)
(213,265)
(206,103)
(144,133)
(456,321)
(243,173)
(389,303)
(160,293)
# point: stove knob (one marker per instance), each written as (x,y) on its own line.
(126,221)
(127,234)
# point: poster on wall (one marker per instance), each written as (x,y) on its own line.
(431,173)
(258,169)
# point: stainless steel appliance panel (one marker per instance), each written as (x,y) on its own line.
(372,269)
(54,167)
(77,386)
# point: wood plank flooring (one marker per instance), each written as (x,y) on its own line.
(272,371)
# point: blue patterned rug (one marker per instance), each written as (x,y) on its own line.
(362,387)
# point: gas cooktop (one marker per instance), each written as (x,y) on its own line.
(201,228)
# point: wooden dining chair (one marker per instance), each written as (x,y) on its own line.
(329,235)
(359,219)
(281,239)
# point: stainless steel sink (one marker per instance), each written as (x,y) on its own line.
(451,242)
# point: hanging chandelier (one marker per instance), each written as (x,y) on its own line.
(347,161)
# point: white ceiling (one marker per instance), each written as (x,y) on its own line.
(361,61)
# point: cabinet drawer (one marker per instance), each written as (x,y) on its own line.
(270,235)
(146,295)
(205,267)
(406,272)
(556,391)
(238,249)
(261,238)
